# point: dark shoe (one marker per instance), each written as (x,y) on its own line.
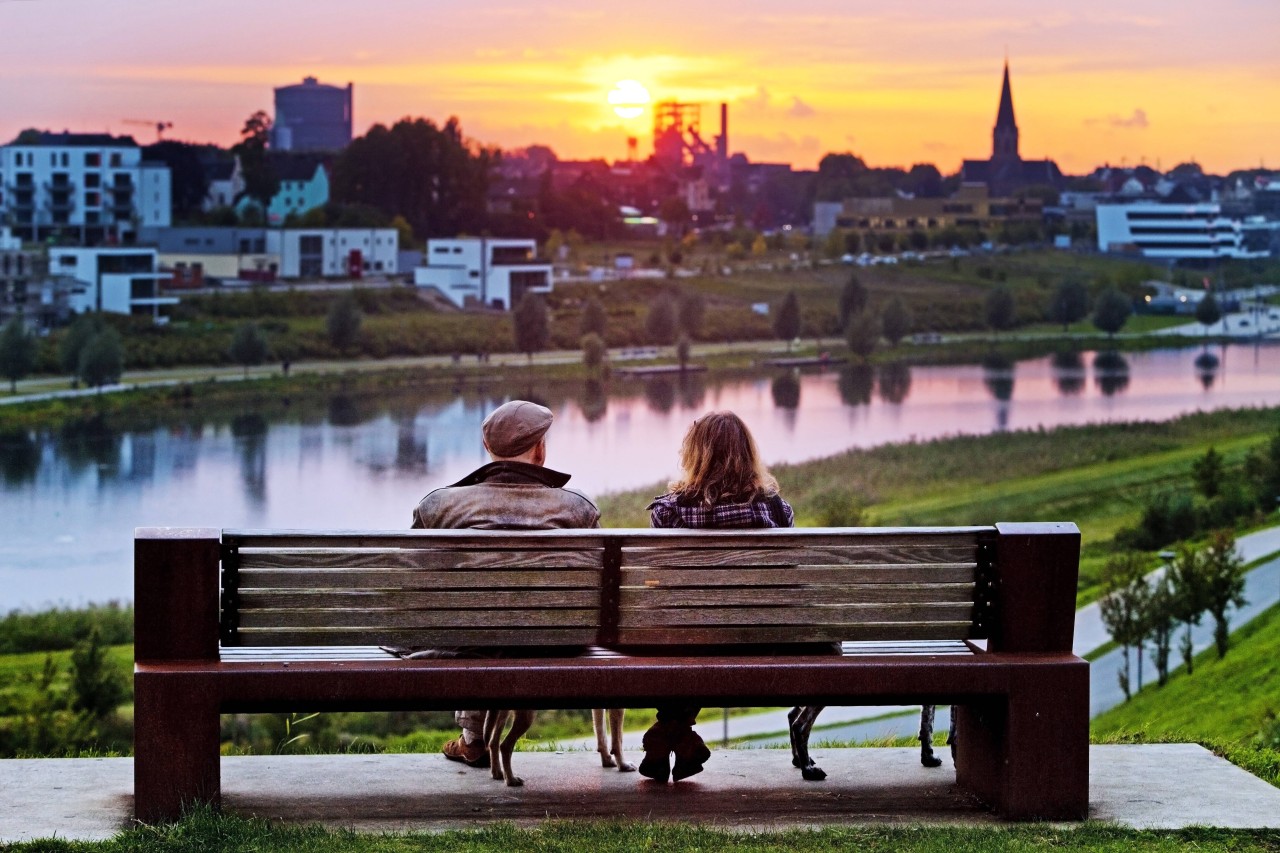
(657,752)
(691,753)
(470,754)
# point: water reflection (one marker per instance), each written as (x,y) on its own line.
(1069,372)
(594,400)
(660,393)
(90,444)
(856,383)
(344,411)
(250,434)
(786,390)
(1207,369)
(1110,372)
(19,457)
(895,382)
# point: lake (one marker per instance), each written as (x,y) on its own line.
(70,498)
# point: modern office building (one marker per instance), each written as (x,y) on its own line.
(90,187)
(197,254)
(1180,232)
(971,207)
(312,116)
(484,272)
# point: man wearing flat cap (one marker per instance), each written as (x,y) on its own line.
(513,492)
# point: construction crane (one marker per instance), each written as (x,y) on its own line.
(160,126)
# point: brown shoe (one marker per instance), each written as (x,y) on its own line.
(470,754)
(691,753)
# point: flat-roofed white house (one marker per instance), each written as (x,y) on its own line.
(1176,232)
(114,280)
(489,272)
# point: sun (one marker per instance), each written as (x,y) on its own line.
(629,99)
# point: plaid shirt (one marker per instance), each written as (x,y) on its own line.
(764,511)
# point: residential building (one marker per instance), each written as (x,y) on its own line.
(304,186)
(226,183)
(1180,232)
(113,279)
(312,253)
(90,187)
(1005,171)
(312,116)
(484,272)
(971,207)
(25,288)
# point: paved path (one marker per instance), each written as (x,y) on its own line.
(1165,786)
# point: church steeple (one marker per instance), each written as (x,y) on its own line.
(1005,134)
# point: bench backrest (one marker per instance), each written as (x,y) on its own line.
(196,589)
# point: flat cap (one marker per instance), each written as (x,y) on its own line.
(514,427)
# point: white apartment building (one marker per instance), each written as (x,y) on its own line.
(92,187)
(484,272)
(114,280)
(1177,232)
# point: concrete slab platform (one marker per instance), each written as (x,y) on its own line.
(1160,786)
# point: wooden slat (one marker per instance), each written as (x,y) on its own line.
(402,619)
(792,577)
(436,539)
(793,634)
(401,600)
(815,537)
(849,614)
(408,580)
(663,596)
(873,554)
(905,647)
(268,654)
(443,638)
(419,559)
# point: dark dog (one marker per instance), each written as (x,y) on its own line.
(801,720)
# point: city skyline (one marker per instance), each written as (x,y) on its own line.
(1160,83)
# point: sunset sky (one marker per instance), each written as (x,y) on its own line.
(1122,81)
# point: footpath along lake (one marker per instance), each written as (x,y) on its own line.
(70,498)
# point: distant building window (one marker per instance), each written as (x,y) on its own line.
(457,250)
(92,179)
(474,273)
(115,159)
(92,159)
(441,250)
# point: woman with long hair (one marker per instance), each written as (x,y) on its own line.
(723,484)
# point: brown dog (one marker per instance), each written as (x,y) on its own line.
(501,748)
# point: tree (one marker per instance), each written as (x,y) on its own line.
(428,174)
(1070,302)
(248,346)
(853,298)
(1207,311)
(188,183)
(863,333)
(594,353)
(98,687)
(999,308)
(660,324)
(102,359)
(1223,583)
(674,211)
(1208,473)
(594,319)
(683,346)
(1123,608)
(1111,311)
(1161,619)
(532,325)
(691,310)
(896,321)
(786,322)
(17,352)
(261,183)
(1186,583)
(78,334)
(343,322)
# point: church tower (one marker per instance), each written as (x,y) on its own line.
(1005,136)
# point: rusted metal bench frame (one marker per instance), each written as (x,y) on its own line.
(1021,704)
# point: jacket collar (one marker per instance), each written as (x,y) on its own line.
(514,472)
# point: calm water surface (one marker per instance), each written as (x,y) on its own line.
(69,500)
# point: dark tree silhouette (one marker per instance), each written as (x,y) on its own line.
(1070,302)
(1111,311)
(17,352)
(786,322)
(531,323)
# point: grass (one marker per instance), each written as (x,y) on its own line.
(1225,700)
(207,832)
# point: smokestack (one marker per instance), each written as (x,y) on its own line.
(722,141)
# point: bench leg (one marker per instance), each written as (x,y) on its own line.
(175,747)
(1028,757)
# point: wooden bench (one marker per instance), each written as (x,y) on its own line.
(238,621)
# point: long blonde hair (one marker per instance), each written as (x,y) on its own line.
(721,463)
